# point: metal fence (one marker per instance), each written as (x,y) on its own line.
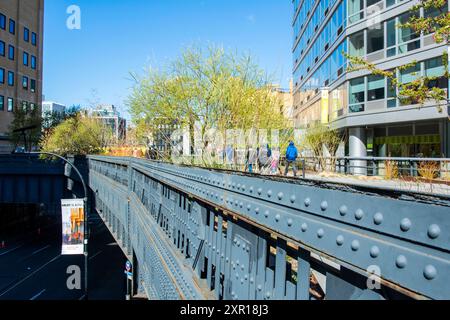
(209,234)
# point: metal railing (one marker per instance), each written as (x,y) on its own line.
(377,166)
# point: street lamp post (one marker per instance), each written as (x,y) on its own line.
(85,222)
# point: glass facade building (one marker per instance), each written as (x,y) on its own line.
(365,105)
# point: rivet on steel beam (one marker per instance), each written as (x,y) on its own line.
(355,245)
(401,262)
(280,196)
(290,222)
(277,217)
(405,225)
(320,233)
(434,231)
(259,191)
(293,198)
(257,210)
(340,240)
(430,272)
(266,213)
(324,205)
(378,218)
(343,210)
(249,207)
(307,202)
(374,252)
(259,287)
(359,214)
(304,227)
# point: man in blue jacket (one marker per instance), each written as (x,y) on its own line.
(291,158)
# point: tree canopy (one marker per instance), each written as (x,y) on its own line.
(77,135)
(211,88)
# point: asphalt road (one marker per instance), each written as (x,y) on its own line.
(33,269)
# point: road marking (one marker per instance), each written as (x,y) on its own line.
(29,276)
(95,255)
(42,249)
(37,295)
(11,250)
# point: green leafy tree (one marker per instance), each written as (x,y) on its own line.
(211,88)
(320,138)
(29,119)
(77,136)
(436,21)
(52,119)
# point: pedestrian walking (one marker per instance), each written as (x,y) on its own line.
(291,158)
(264,158)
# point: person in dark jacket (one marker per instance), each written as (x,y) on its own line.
(291,158)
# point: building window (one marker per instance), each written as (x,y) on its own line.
(12,26)
(407,76)
(391,93)
(375,38)
(2,103)
(25,59)
(25,82)
(11,52)
(408,39)
(10,78)
(2,48)
(391,31)
(26,34)
(2,21)
(355,10)
(33,39)
(356,47)
(357,95)
(434,68)
(33,62)
(375,87)
(2,75)
(32,106)
(10,104)
(33,85)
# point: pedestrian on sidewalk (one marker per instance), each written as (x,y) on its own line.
(291,158)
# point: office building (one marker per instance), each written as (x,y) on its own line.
(52,107)
(366,106)
(21,33)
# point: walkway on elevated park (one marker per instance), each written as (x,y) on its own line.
(440,189)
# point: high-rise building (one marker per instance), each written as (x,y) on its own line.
(377,122)
(21,33)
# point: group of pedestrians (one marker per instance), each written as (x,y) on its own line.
(268,160)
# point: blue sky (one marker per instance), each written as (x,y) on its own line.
(122,36)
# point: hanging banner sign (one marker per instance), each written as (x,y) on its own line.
(72,226)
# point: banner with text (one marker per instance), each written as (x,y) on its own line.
(72,226)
